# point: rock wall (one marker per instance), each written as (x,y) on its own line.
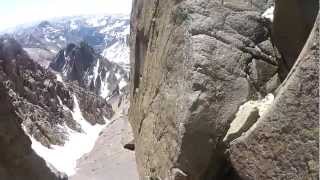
(33,102)
(285,143)
(194,63)
(18,161)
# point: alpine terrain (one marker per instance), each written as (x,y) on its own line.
(180,90)
(64,81)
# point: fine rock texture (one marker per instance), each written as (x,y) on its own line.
(285,143)
(193,64)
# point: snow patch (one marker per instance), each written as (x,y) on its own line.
(122,83)
(112,27)
(64,158)
(96,22)
(53,51)
(59,78)
(269,13)
(96,71)
(73,25)
(104,91)
(118,53)
(47,39)
(62,38)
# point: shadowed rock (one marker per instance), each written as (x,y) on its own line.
(293,22)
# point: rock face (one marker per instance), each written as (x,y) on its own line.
(18,161)
(35,103)
(285,143)
(194,63)
(90,70)
(189,78)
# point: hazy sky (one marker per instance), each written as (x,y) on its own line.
(14,12)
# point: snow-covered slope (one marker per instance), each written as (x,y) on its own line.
(64,158)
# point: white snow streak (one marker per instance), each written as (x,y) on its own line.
(122,83)
(73,25)
(104,91)
(269,13)
(96,71)
(64,158)
(59,78)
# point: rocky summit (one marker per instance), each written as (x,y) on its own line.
(90,70)
(222,90)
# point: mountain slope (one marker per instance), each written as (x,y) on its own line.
(90,70)
(52,113)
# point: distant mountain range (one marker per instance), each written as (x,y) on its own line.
(101,66)
(107,34)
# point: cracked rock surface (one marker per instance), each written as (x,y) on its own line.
(285,143)
(194,63)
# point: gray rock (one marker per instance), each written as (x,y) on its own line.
(194,63)
(260,72)
(190,62)
(272,84)
(285,142)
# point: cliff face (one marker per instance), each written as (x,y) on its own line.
(35,103)
(195,64)
(285,143)
(18,161)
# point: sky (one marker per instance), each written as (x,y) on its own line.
(16,12)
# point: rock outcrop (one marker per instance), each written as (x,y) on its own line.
(194,64)
(90,70)
(18,161)
(285,142)
(35,103)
